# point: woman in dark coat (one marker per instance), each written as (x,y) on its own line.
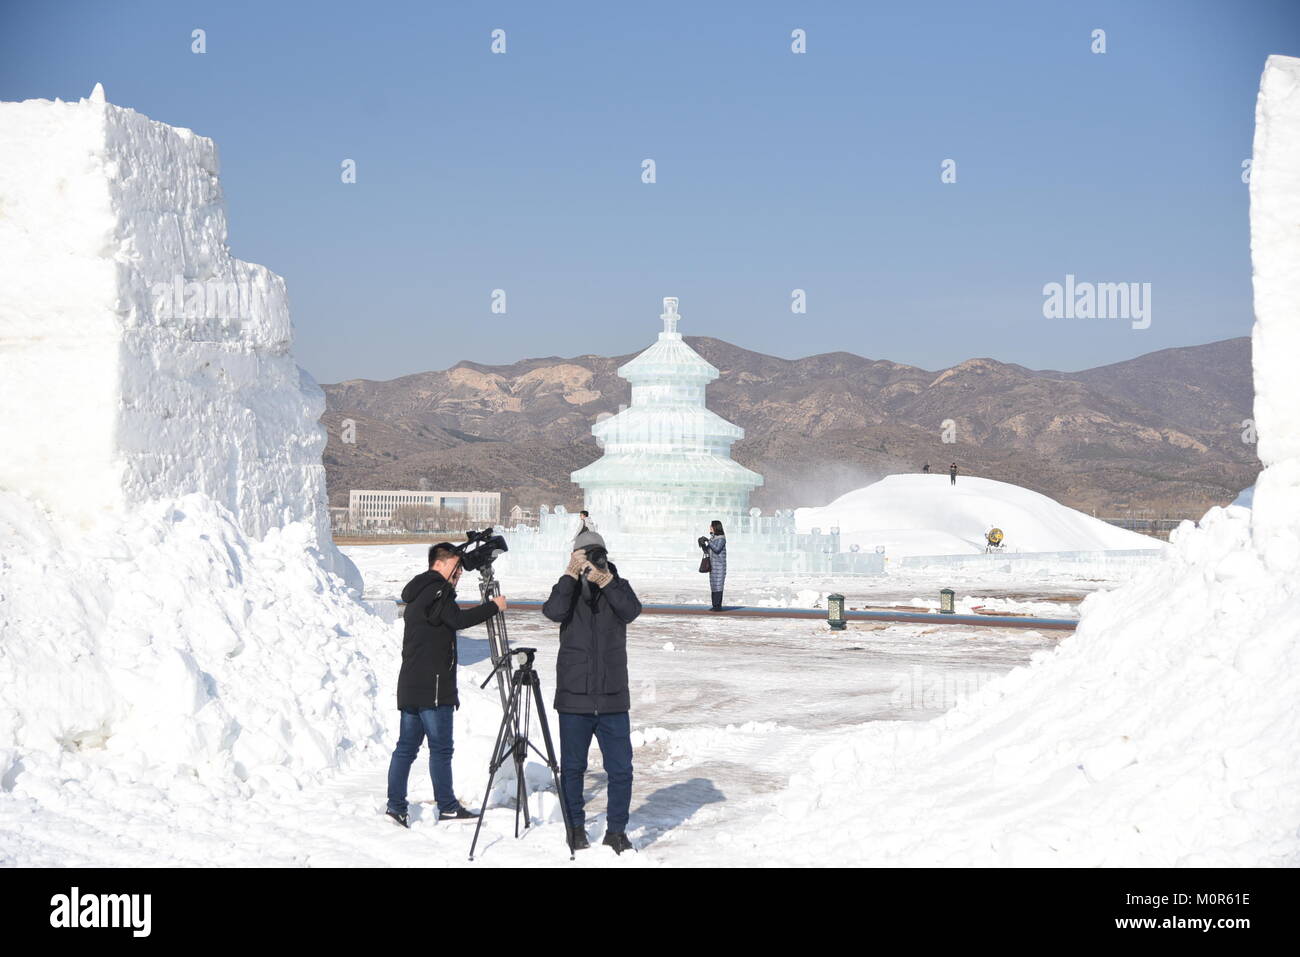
(715,549)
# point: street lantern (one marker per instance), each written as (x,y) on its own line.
(946,597)
(835,612)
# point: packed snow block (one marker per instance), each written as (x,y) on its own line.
(141,360)
(1275,255)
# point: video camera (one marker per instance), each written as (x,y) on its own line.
(481,549)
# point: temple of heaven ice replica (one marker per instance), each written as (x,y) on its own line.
(666,472)
(667,463)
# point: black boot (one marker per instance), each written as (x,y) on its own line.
(398,818)
(717,601)
(618,841)
(578,838)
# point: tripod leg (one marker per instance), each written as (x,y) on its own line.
(521,755)
(553,764)
(507,724)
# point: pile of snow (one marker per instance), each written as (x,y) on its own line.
(172,609)
(170,646)
(927,515)
(1165,730)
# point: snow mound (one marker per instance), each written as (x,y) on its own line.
(926,515)
(172,646)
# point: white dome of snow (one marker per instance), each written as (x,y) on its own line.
(926,515)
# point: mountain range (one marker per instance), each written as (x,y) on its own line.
(1160,435)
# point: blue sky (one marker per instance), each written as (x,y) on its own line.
(775,171)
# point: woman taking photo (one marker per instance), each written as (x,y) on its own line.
(715,553)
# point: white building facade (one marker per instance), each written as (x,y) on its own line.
(374,508)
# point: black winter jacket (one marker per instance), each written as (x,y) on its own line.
(431,620)
(591,667)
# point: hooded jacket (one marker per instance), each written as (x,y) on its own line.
(591,667)
(430,623)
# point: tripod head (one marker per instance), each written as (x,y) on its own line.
(523,667)
(528,655)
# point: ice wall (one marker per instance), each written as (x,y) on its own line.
(140,359)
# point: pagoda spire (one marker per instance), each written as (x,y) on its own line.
(670,315)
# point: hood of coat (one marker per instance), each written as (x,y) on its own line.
(419,583)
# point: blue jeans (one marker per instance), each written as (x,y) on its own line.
(435,724)
(614,735)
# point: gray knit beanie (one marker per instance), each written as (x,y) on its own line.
(586,539)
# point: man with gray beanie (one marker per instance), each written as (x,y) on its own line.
(593,607)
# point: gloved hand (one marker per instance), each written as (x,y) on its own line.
(702,542)
(576,561)
(600,577)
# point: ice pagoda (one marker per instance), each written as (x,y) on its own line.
(666,472)
(667,464)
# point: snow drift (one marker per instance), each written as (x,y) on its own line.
(926,515)
(1164,731)
(171,606)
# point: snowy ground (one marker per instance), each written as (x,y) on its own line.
(725,711)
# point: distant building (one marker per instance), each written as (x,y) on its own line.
(340,519)
(374,508)
(522,516)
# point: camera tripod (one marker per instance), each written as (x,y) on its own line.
(513,744)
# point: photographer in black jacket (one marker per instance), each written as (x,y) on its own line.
(593,606)
(426,685)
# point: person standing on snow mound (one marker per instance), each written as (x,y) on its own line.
(593,607)
(426,685)
(952,474)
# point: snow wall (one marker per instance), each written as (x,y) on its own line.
(1165,730)
(141,359)
(172,610)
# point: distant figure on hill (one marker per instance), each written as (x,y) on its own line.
(926,468)
(952,474)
